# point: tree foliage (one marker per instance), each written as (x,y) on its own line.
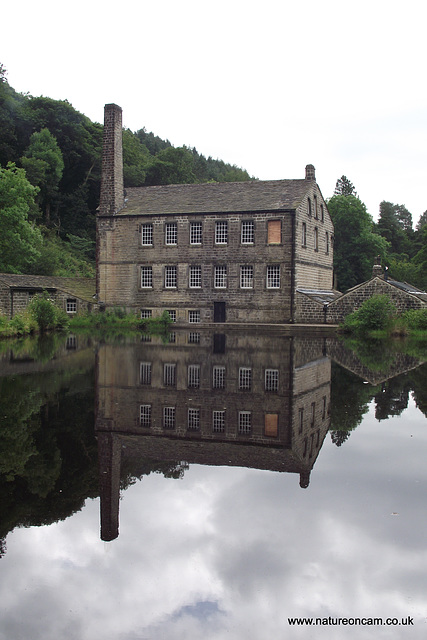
(344,187)
(355,245)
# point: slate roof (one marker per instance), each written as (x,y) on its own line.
(216,197)
(409,288)
(83,288)
(320,295)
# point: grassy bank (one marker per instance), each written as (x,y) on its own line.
(378,318)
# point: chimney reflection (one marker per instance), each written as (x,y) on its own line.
(237,399)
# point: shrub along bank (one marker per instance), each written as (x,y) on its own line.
(378,317)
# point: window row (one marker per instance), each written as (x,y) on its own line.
(312,416)
(221,233)
(220,273)
(313,209)
(328,241)
(218,420)
(271,376)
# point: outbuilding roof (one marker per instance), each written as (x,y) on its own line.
(83,288)
(216,197)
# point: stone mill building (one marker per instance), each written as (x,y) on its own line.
(242,252)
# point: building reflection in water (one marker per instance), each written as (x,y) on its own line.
(233,399)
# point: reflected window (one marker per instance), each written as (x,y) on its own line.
(300,420)
(145,372)
(313,413)
(193,338)
(272,380)
(172,337)
(245,422)
(245,379)
(193,376)
(145,415)
(324,408)
(169,417)
(218,421)
(169,375)
(218,377)
(271,422)
(145,314)
(194,419)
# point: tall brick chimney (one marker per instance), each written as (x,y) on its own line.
(310,172)
(112,193)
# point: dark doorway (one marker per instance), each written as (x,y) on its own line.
(219,311)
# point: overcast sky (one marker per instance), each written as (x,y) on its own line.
(269,86)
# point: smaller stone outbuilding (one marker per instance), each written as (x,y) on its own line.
(331,307)
(74,295)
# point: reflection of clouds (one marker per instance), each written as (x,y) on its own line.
(231,553)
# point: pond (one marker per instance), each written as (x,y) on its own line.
(235,485)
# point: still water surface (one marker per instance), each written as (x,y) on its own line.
(261,478)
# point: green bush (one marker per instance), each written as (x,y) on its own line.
(375,314)
(416,319)
(47,314)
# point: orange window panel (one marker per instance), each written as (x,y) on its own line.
(274,232)
(271,424)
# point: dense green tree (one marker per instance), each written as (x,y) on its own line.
(20,241)
(44,165)
(344,187)
(173,165)
(136,160)
(355,245)
(395,225)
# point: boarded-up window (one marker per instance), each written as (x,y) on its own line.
(270,425)
(274,232)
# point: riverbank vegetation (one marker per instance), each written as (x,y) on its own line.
(378,317)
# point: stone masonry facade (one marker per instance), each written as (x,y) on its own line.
(232,252)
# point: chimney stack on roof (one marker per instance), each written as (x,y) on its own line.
(310,172)
(377,270)
(112,192)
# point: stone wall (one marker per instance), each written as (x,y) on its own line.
(353,299)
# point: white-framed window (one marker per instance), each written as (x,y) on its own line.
(273,276)
(145,372)
(71,305)
(172,337)
(171,278)
(147,234)
(304,235)
(245,422)
(218,420)
(169,417)
(195,233)
(193,337)
(218,377)
(171,233)
(194,316)
(247,235)
(247,277)
(195,277)
(146,313)
(193,376)
(220,277)
(245,379)
(145,415)
(272,380)
(221,232)
(169,374)
(172,314)
(194,419)
(146,277)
